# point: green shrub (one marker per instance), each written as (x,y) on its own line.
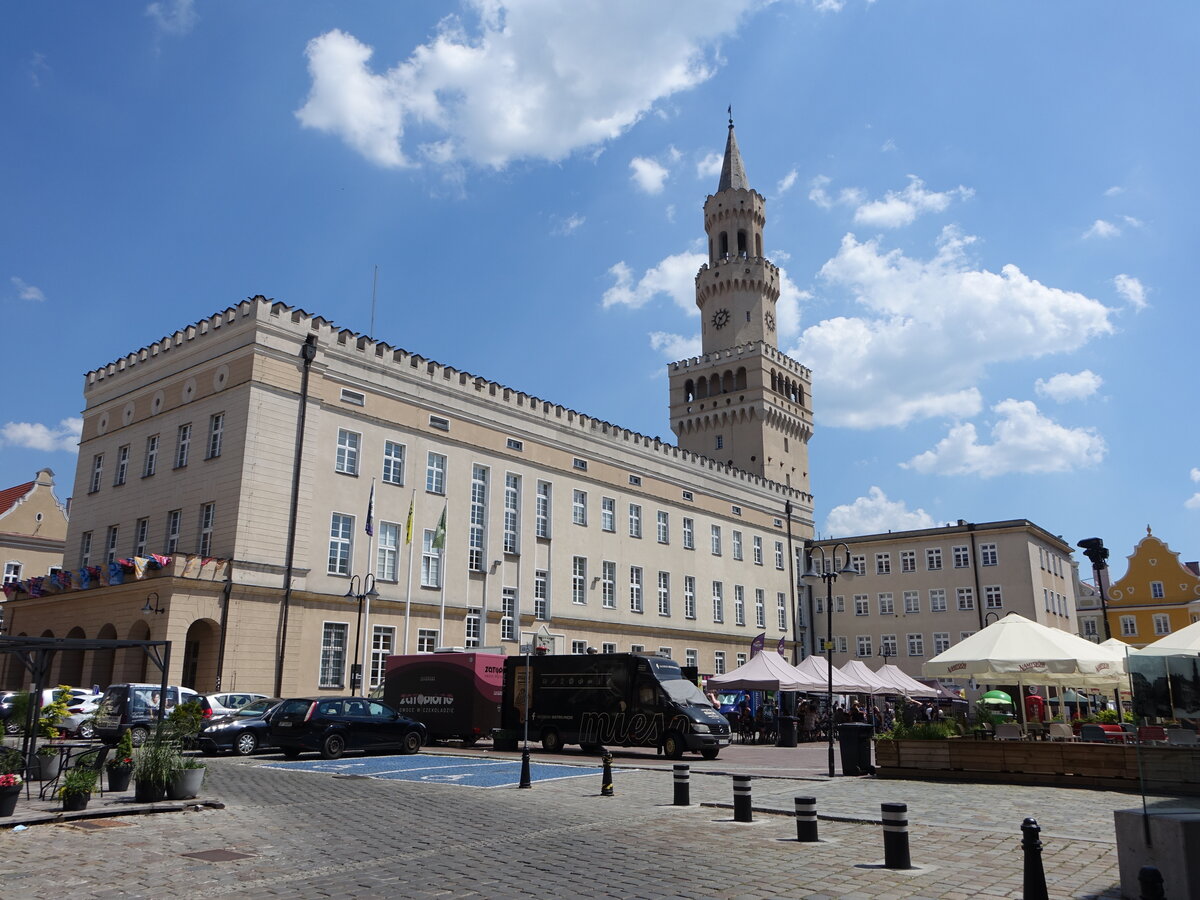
(78,780)
(54,712)
(919,731)
(184,721)
(156,761)
(10,761)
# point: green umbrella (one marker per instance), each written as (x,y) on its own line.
(996,697)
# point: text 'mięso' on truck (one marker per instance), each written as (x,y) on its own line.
(609,699)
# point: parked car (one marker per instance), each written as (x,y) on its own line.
(333,725)
(134,708)
(242,731)
(215,705)
(7,700)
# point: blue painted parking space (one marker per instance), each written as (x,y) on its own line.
(460,770)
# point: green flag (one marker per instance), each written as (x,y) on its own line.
(439,536)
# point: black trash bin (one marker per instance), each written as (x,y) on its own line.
(785,736)
(854,740)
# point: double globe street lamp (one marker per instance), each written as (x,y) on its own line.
(828,571)
(362,587)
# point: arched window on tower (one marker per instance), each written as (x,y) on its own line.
(711,259)
(724,244)
(758,244)
(774,381)
(701,388)
(743,249)
(689,391)
(727,382)
(740,379)
(800,395)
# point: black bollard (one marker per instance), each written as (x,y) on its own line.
(526,781)
(683,784)
(1035,875)
(895,836)
(1151,882)
(743,808)
(806,819)
(606,786)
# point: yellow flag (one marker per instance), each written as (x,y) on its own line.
(408,524)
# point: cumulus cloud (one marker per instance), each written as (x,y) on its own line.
(899,208)
(648,175)
(1023,441)
(875,514)
(35,436)
(28,291)
(674,276)
(1131,289)
(176,17)
(929,330)
(564,226)
(710,166)
(1193,502)
(785,183)
(1065,387)
(515,79)
(1102,229)
(675,346)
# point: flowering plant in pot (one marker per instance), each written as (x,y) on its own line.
(77,787)
(10,780)
(120,767)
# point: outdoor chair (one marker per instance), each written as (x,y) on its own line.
(1182,737)
(1093,733)
(1152,734)
(94,760)
(1060,731)
(1007,731)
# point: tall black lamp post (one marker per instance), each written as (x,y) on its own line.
(361,587)
(987,619)
(1094,549)
(828,572)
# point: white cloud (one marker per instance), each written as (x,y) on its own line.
(1064,387)
(930,329)
(173,16)
(1193,502)
(35,436)
(710,166)
(899,208)
(675,277)
(875,514)
(648,175)
(523,79)
(1023,441)
(1132,222)
(785,183)
(675,346)
(1131,289)
(569,224)
(27,291)
(1102,229)
(888,146)
(817,193)
(1114,190)
(829,5)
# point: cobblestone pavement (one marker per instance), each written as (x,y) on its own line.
(317,835)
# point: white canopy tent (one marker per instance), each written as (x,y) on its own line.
(816,669)
(765,671)
(902,682)
(856,670)
(1184,642)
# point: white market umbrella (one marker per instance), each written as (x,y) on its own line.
(902,682)
(856,670)
(816,669)
(1184,642)
(765,671)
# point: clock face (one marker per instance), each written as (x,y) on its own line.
(720,318)
(770,322)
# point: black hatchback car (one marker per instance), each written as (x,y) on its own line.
(333,725)
(242,731)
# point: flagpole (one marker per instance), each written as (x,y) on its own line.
(440,539)
(365,684)
(408,539)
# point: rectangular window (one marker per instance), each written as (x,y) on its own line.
(383,645)
(737,545)
(937,600)
(664,652)
(688,496)
(691,657)
(150,466)
(97,473)
(1162,624)
(579,580)
(739,605)
(689,597)
(354,398)
(579,464)
(110,549)
(839,603)
(664,593)
(664,526)
(962,558)
(12,575)
(781,610)
(916,645)
(1128,626)
(963,635)
(541,594)
(435,473)
(887,606)
(883,564)
(477,525)
(635,520)
(912,602)
(841,642)
(333,654)
(387,551)
(346,461)
(858,563)
(578,647)
(862,645)
(966,598)
(608,584)
(887,646)
(608,647)
(779,555)
(991,597)
(427,640)
(512,513)
(1047,604)
(689,534)
(635,480)
(542,510)
(760,608)
(579,507)
(908,560)
(514,444)
(608,514)
(341,543)
(216,434)
(183,445)
(941,641)
(718,662)
(439,422)
(988,555)
(933,558)
(85,549)
(720,444)
(1156,590)
(718,602)
(141,536)
(756,550)
(122,472)
(736,510)
(208,517)
(1090,629)
(473,628)
(740,659)
(716,540)
(431,560)
(635,589)
(393,463)
(508,614)
(862,605)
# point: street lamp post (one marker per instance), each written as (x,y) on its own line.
(361,587)
(1094,549)
(828,572)
(988,616)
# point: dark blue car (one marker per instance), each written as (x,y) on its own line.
(241,732)
(332,725)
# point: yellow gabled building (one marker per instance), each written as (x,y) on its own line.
(1152,598)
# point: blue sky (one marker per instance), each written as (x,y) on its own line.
(981,210)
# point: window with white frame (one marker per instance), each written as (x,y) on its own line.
(635,589)
(840,643)
(912,602)
(883,564)
(387,551)
(579,464)
(740,659)
(578,647)
(608,514)
(887,645)
(393,462)
(579,580)
(333,654)
(664,652)
(941,642)
(512,512)
(174,518)
(691,657)
(718,602)
(716,540)
(1047,601)
(858,563)
(839,603)
(663,521)
(341,543)
(541,594)
(862,645)
(689,533)
(431,560)
(216,434)
(435,473)
(542,510)
(97,473)
(1162,624)
(718,662)
(756,550)
(141,537)
(779,555)
(862,605)
(916,645)
(689,597)
(781,610)
(1156,590)
(966,598)
(937,599)
(348,443)
(508,614)
(579,507)
(962,557)
(85,549)
(12,572)
(739,605)
(427,640)
(608,647)
(183,444)
(1090,629)
(473,628)
(992,598)
(477,523)
(933,558)
(1128,626)
(887,605)
(736,541)
(150,464)
(122,472)
(110,550)
(988,555)
(760,608)
(208,517)
(963,635)
(608,584)
(908,560)
(635,520)
(383,645)
(664,593)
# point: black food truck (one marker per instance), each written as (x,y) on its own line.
(618,699)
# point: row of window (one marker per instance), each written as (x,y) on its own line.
(1054,602)
(889,644)
(150,458)
(111,550)
(960,557)
(885,601)
(1052,563)
(1162,625)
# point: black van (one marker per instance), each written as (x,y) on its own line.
(134,708)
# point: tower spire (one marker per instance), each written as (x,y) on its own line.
(733,172)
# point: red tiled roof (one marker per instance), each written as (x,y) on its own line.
(10,496)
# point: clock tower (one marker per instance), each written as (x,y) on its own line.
(742,402)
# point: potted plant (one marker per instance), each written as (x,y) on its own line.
(153,765)
(183,723)
(120,767)
(54,712)
(186,781)
(77,787)
(10,780)
(47,762)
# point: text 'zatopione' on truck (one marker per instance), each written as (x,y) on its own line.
(619,699)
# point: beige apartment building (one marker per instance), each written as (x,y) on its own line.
(245,456)
(33,531)
(917,593)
